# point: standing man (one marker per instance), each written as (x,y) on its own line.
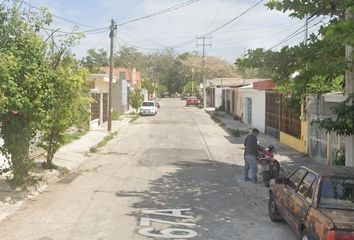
(250,155)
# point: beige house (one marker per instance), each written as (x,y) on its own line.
(218,92)
(99,84)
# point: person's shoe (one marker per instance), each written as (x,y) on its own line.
(248,180)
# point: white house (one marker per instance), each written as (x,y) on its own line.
(254,106)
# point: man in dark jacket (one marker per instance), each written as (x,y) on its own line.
(250,155)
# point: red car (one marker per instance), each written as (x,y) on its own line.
(192,101)
(317,201)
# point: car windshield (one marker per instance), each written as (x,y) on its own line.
(148,104)
(336,192)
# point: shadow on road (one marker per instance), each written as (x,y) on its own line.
(224,207)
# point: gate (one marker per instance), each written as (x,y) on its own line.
(95,106)
(105,107)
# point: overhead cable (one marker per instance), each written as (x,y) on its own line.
(137,47)
(296,33)
(234,19)
(91,31)
(56,16)
(143,36)
(175,7)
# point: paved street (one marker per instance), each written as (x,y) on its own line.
(176,175)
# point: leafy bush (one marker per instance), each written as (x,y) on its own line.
(340,158)
(237,132)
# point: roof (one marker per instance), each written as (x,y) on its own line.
(231,81)
(325,170)
(264,85)
(99,77)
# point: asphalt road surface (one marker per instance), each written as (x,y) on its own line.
(176,175)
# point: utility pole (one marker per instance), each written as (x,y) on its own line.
(52,45)
(243,69)
(112,35)
(349,89)
(204,57)
(306,28)
(193,81)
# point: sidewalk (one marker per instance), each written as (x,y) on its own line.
(288,158)
(68,158)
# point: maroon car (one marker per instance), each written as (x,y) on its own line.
(316,201)
(192,101)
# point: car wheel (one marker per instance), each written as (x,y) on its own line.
(273,211)
(304,235)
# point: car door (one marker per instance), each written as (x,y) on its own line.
(301,201)
(288,192)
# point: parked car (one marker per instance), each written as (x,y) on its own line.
(192,101)
(148,108)
(184,96)
(316,201)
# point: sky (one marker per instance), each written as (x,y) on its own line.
(258,28)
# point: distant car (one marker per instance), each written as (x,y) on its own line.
(192,101)
(148,108)
(317,202)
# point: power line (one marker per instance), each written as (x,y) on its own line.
(259,34)
(296,33)
(175,7)
(56,16)
(218,28)
(137,47)
(143,36)
(103,38)
(232,20)
(216,14)
(91,31)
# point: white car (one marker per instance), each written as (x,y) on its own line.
(148,108)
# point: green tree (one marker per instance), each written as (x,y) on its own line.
(149,86)
(95,59)
(315,67)
(192,89)
(66,105)
(135,99)
(23,81)
(129,57)
(161,89)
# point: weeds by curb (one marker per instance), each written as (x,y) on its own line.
(103,142)
(236,132)
(134,118)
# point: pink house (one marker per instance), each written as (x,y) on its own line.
(131,75)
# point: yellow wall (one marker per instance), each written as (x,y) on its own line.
(292,142)
(304,129)
(300,145)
